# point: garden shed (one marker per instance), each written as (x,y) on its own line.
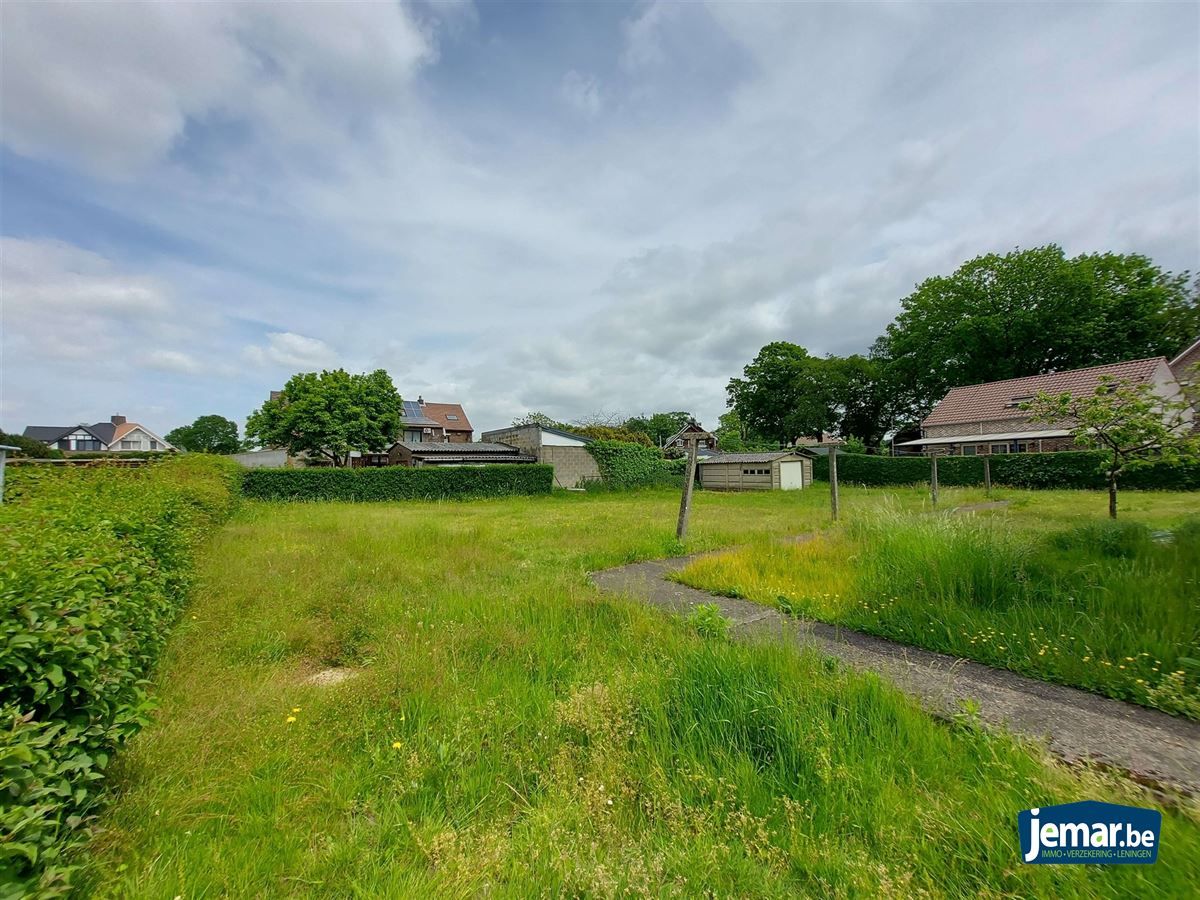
(778,470)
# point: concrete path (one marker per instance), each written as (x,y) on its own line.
(1152,747)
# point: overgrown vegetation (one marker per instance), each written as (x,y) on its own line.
(29,447)
(510,732)
(398,483)
(96,566)
(624,465)
(1110,607)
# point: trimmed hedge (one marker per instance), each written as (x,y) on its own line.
(1078,469)
(623,465)
(96,567)
(398,482)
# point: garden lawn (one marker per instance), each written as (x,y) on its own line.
(1038,588)
(510,731)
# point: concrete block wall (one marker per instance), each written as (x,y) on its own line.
(571,465)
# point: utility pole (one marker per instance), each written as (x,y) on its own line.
(933,481)
(987,476)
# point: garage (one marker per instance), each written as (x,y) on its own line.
(780,470)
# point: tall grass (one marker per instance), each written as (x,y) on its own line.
(1108,606)
(512,732)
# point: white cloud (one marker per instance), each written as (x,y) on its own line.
(126,79)
(285,349)
(582,92)
(173,361)
(417,187)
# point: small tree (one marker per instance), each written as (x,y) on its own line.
(1131,423)
(208,434)
(330,414)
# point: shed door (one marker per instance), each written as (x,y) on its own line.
(791,475)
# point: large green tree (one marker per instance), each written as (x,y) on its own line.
(1029,312)
(658,426)
(787,393)
(330,415)
(208,434)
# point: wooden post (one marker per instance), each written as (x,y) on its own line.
(933,482)
(833,485)
(987,476)
(685,502)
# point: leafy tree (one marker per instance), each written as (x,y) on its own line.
(787,393)
(611,433)
(29,447)
(330,415)
(1134,425)
(208,434)
(538,418)
(1029,312)
(659,426)
(853,445)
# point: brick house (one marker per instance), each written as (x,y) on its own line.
(434,422)
(982,419)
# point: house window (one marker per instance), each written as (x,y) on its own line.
(999,448)
(154,445)
(451,418)
(968,450)
(131,445)
(87,445)
(64,444)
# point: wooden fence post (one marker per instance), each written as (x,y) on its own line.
(987,476)
(685,502)
(933,481)
(833,483)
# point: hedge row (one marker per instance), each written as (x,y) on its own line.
(1081,469)
(96,567)
(397,483)
(623,465)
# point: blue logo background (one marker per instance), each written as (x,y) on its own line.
(1089,832)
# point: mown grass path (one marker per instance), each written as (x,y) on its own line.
(1153,747)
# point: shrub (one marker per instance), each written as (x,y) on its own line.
(708,621)
(397,483)
(96,568)
(1080,469)
(623,465)
(29,447)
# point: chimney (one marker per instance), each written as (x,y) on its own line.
(420,400)
(117,420)
(275,395)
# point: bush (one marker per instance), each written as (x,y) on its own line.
(96,568)
(623,465)
(29,447)
(1081,469)
(397,483)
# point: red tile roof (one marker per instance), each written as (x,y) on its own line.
(997,400)
(440,411)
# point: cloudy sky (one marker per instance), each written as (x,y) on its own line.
(562,207)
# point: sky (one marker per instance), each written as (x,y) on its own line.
(572,208)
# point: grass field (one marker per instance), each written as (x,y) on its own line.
(510,731)
(1111,607)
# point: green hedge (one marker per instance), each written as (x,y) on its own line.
(623,465)
(96,567)
(1081,469)
(397,483)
